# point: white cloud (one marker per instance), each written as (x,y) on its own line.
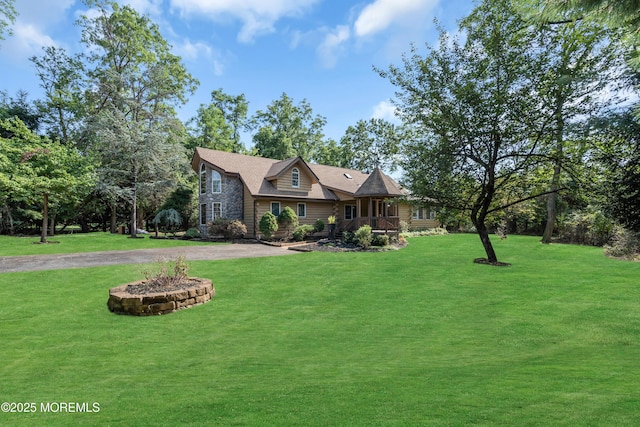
(198,52)
(385,110)
(381,14)
(257,16)
(333,45)
(151,7)
(27,41)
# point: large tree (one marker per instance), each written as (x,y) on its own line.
(578,63)
(285,130)
(136,82)
(476,113)
(370,144)
(38,169)
(62,77)
(219,125)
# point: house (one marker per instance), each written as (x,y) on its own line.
(237,186)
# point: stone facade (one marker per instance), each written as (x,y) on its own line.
(230,196)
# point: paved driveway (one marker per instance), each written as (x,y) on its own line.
(140,256)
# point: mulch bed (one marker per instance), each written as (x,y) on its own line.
(326,245)
(150,287)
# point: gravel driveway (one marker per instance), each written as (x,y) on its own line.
(96,259)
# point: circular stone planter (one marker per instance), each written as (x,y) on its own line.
(125,300)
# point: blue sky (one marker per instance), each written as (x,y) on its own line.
(319,50)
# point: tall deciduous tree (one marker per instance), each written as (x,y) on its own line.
(136,83)
(476,113)
(577,64)
(371,144)
(63,79)
(286,130)
(219,124)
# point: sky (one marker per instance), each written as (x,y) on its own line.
(323,51)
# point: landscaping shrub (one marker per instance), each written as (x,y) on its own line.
(268,225)
(217,227)
(380,240)
(363,236)
(624,243)
(589,227)
(301,232)
(288,219)
(229,229)
(319,226)
(348,237)
(235,230)
(169,220)
(428,232)
(192,233)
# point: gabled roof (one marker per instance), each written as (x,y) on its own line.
(379,184)
(280,167)
(257,173)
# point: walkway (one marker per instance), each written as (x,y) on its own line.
(12,264)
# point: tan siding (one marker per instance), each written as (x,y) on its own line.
(315,210)
(416,224)
(284,181)
(249,218)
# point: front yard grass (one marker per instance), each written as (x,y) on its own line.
(419,336)
(84,242)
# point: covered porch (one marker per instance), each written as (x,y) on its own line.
(376,205)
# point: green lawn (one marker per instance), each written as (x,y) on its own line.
(420,336)
(89,242)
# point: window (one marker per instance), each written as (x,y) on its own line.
(275,208)
(350,212)
(216,182)
(419,212)
(422,212)
(295,178)
(302,210)
(203,179)
(217,210)
(203,214)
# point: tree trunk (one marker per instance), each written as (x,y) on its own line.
(134,203)
(557,169)
(45,219)
(114,216)
(486,242)
(10,217)
(52,223)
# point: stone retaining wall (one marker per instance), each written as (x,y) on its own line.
(122,302)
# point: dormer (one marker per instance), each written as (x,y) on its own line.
(292,175)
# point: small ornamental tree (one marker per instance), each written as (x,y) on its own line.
(288,219)
(268,224)
(169,220)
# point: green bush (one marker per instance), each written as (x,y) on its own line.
(380,240)
(348,237)
(589,227)
(268,225)
(288,219)
(319,226)
(301,232)
(192,233)
(363,236)
(623,243)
